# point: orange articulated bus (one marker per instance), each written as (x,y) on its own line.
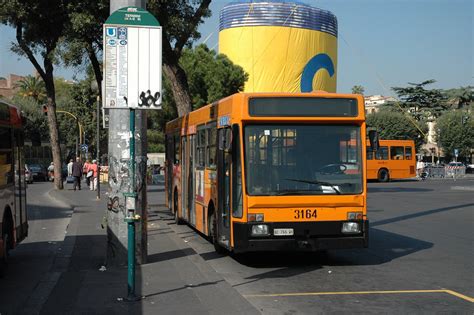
(271,171)
(394,159)
(13,216)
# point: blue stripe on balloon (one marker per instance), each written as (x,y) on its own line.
(318,62)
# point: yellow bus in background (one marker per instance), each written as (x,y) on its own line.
(271,171)
(394,159)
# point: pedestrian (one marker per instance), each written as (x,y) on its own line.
(419,167)
(51,171)
(77,173)
(86,171)
(69,167)
(94,168)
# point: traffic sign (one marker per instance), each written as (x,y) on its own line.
(84,147)
(456,152)
(132,60)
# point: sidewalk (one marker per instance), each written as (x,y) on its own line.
(176,280)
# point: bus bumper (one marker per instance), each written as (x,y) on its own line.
(308,236)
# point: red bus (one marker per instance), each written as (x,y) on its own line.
(13,216)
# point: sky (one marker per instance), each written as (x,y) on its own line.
(381,43)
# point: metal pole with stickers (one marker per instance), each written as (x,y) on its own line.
(132,80)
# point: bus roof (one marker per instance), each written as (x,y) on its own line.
(230,109)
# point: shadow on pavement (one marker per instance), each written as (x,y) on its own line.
(398,189)
(420,214)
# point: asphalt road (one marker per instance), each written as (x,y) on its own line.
(420,259)
(36,264)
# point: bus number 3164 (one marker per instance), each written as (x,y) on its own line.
(305,214)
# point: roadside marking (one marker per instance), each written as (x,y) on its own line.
(459,295)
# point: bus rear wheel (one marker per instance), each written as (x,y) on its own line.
(177,220)
(383,175)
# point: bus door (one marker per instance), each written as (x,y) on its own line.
(191,186)
(184,176)
(169,169)
(20,185)
(224,158)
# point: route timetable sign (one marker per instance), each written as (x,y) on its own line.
(132,60)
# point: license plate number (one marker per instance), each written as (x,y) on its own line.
(283,232)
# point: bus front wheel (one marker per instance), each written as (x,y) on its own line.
(7,245)
(383,175)
(212,228)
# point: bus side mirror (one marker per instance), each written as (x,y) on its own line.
(374,140)
(225,140)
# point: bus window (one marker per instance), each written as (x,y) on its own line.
(408,153)
(201,145)
(396,153)
(370,154)
(176,149)
(211,145)
(382,153)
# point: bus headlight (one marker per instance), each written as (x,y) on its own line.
(350,228)
(260,230)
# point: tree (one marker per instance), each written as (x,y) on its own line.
(456,131)
(423,104)
(83,39)
(460,98)
(394,125)
(358,89)
(180,20)
(36,125)
(33,87)
(39,26)
(211,77)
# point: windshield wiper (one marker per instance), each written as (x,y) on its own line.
(315,182)
(293,192)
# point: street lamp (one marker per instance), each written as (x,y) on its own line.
(95,89)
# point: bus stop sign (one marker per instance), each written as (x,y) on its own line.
(132,60)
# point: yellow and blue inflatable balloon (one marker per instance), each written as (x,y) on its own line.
(283,46)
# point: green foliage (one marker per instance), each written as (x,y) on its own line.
(423,104)
(36,125)
(156,140)
(462,97)
(32,87)
(211,76)
(358,89)
(454,134)
(394,125)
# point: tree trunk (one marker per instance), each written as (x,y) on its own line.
(53,129)
(179,87)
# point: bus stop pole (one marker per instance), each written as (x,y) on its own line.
(131,218)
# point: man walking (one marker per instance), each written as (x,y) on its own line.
(77,173)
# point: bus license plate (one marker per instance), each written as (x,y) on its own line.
(283,232)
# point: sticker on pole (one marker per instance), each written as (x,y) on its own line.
(132,60)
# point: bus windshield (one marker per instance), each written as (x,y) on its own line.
(302,159)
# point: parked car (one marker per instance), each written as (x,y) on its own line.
(39,172)
(28,175)
(470,168)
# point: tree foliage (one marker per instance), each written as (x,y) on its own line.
(422,103)
(39,27)
(33,87)
(358,89)
(211,76)
(394,125)
(459,98)
(180,20)
(456,131)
